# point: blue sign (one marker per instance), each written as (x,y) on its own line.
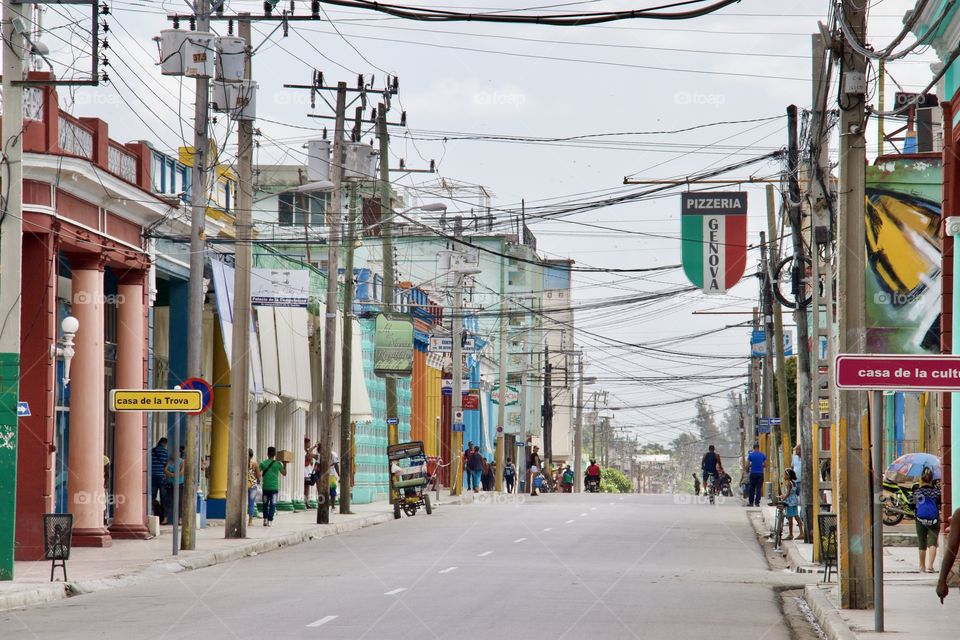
(521,443)
(393,421)
(458,427)
(758,343)
(23,409)
(763,425)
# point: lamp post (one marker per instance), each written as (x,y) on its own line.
(64,349)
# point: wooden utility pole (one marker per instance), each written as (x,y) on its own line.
(330,326)
(456,399)
(547,410)
(235,525)
(819,399)
(798,278)
(776,459)
(386,237)
(198,203)
(346,361)
(855,544)
(779,339)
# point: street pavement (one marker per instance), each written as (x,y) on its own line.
(553,566)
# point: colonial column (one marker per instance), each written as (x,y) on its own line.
(220,428)
(87,497)
(128,447)
(284,441)
(266,429)
(298,418)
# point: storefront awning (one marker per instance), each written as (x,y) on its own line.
(223,296)
(293,350)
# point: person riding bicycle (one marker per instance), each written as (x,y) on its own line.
(711,466)
(593,473)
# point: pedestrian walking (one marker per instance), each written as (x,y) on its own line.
(271,469)
(757,461)
(174,484)
(159,456)
(926,499)
(475,469)
(486,478)
(509,475)
(791,496)
(797,464)
(696,484)
(533,467)
(253,486)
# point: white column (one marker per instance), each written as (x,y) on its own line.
(284,440)
(298,424)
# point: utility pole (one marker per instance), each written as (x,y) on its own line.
(456,399)
(11,238)
(330,326)
(855,544)
(779,339)
(346,363)
(547,409)
(502,400)
(776,459)
(798,276)
(578,436)
(198,202)
(386,234)
(236,511)
(820,402)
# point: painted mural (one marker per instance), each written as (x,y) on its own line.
(903,256)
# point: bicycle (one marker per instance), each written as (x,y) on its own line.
(711,487)
(778,524)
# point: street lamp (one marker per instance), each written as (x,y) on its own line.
(64,347)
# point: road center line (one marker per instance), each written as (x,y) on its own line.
(395,591)
(593,508)
(447,570)
(321,621)
(549,529)
(484,554)
(519,540)
(582,515)
(569,521)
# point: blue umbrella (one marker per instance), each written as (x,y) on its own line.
(907,469)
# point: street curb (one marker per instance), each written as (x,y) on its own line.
(43,594)
(826,614)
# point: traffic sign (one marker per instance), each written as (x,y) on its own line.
(156,400)
(393,421)
(444,344)
(763,425)
(23,409)
(458,427)
(899,373)
(521,443)
(458,416)
(204,387)
(499,429)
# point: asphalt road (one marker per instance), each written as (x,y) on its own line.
(556,566)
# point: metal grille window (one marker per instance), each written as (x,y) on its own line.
(302,209)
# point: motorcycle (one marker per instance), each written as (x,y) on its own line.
(897,503)
(593,484)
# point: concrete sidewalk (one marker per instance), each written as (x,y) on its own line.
(911,605)
(131,561)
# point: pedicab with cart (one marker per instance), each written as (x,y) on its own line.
(408,478)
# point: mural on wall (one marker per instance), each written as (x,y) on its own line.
(903,256)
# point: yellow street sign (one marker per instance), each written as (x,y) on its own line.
(156,400)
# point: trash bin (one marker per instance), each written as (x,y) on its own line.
(827,523)
(57,539)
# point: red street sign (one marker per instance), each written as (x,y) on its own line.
(205,388)
(899,373)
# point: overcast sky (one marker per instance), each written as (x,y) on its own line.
(746,62)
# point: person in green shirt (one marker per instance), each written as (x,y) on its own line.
(271,469)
